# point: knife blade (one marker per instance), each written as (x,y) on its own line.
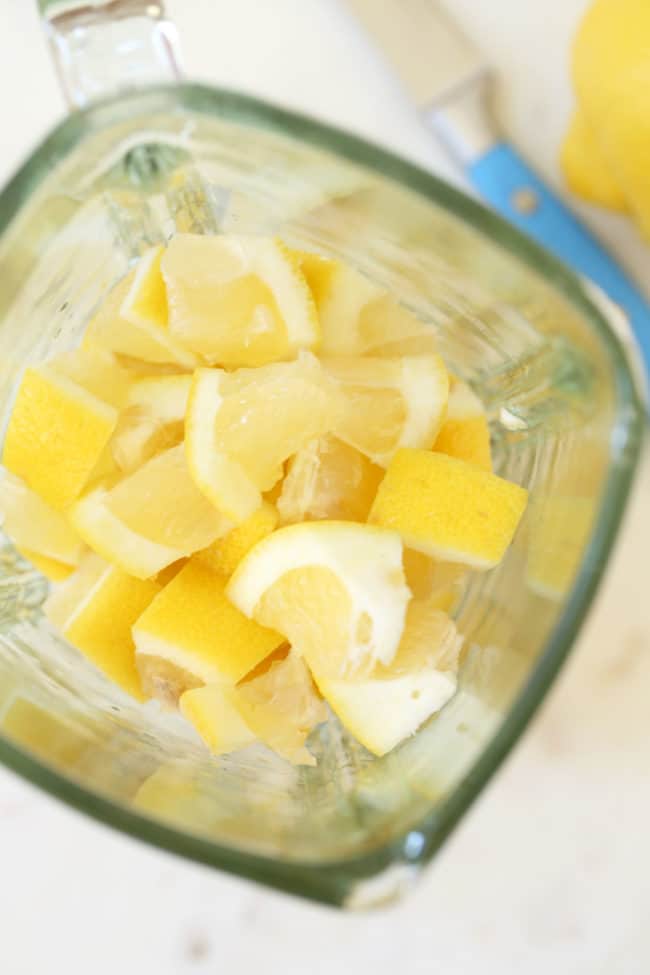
(448,80)
(405,31)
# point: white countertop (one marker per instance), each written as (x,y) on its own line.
(549,871)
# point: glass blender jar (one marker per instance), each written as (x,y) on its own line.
(144,154)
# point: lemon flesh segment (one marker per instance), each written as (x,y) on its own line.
(110,537)
(163,681)
(145,302)
(56,434)
(390,403)
(336,590)
(139,437)
(140,369)
(238,300)
(448,509)
(144,341)
(225,554)
(95,610)
(429,578)
(281,708)
(465,433)
(153,420)
(328,479)
(97,370)
(389,705)
(216,719)
(163,397)
(242,426)
(36,528)
(161,502)
(194,627)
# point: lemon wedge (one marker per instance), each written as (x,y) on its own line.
(161,502)
(390,403)
(336,590)
(192,628)
(111,538)
(150,519)
(389,705)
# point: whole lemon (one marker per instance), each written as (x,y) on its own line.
(606,154)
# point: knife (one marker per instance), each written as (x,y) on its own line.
(449,82)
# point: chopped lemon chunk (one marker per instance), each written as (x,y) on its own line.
(242,426)
(465,433)
(215,717)
(56,435)
(97,370)
(95,610)
(226,553)
(281,707)
(238,301)
(145,302)
(448,509)
(36,528)
(194,627)
(144,341)
(389,705)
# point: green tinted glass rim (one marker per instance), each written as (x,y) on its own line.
(334,881)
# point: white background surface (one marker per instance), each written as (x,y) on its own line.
(549,871)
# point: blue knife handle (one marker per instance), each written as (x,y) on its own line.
(511,187)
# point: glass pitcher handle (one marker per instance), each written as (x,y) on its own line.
(103,46)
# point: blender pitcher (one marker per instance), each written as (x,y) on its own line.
(145,154)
